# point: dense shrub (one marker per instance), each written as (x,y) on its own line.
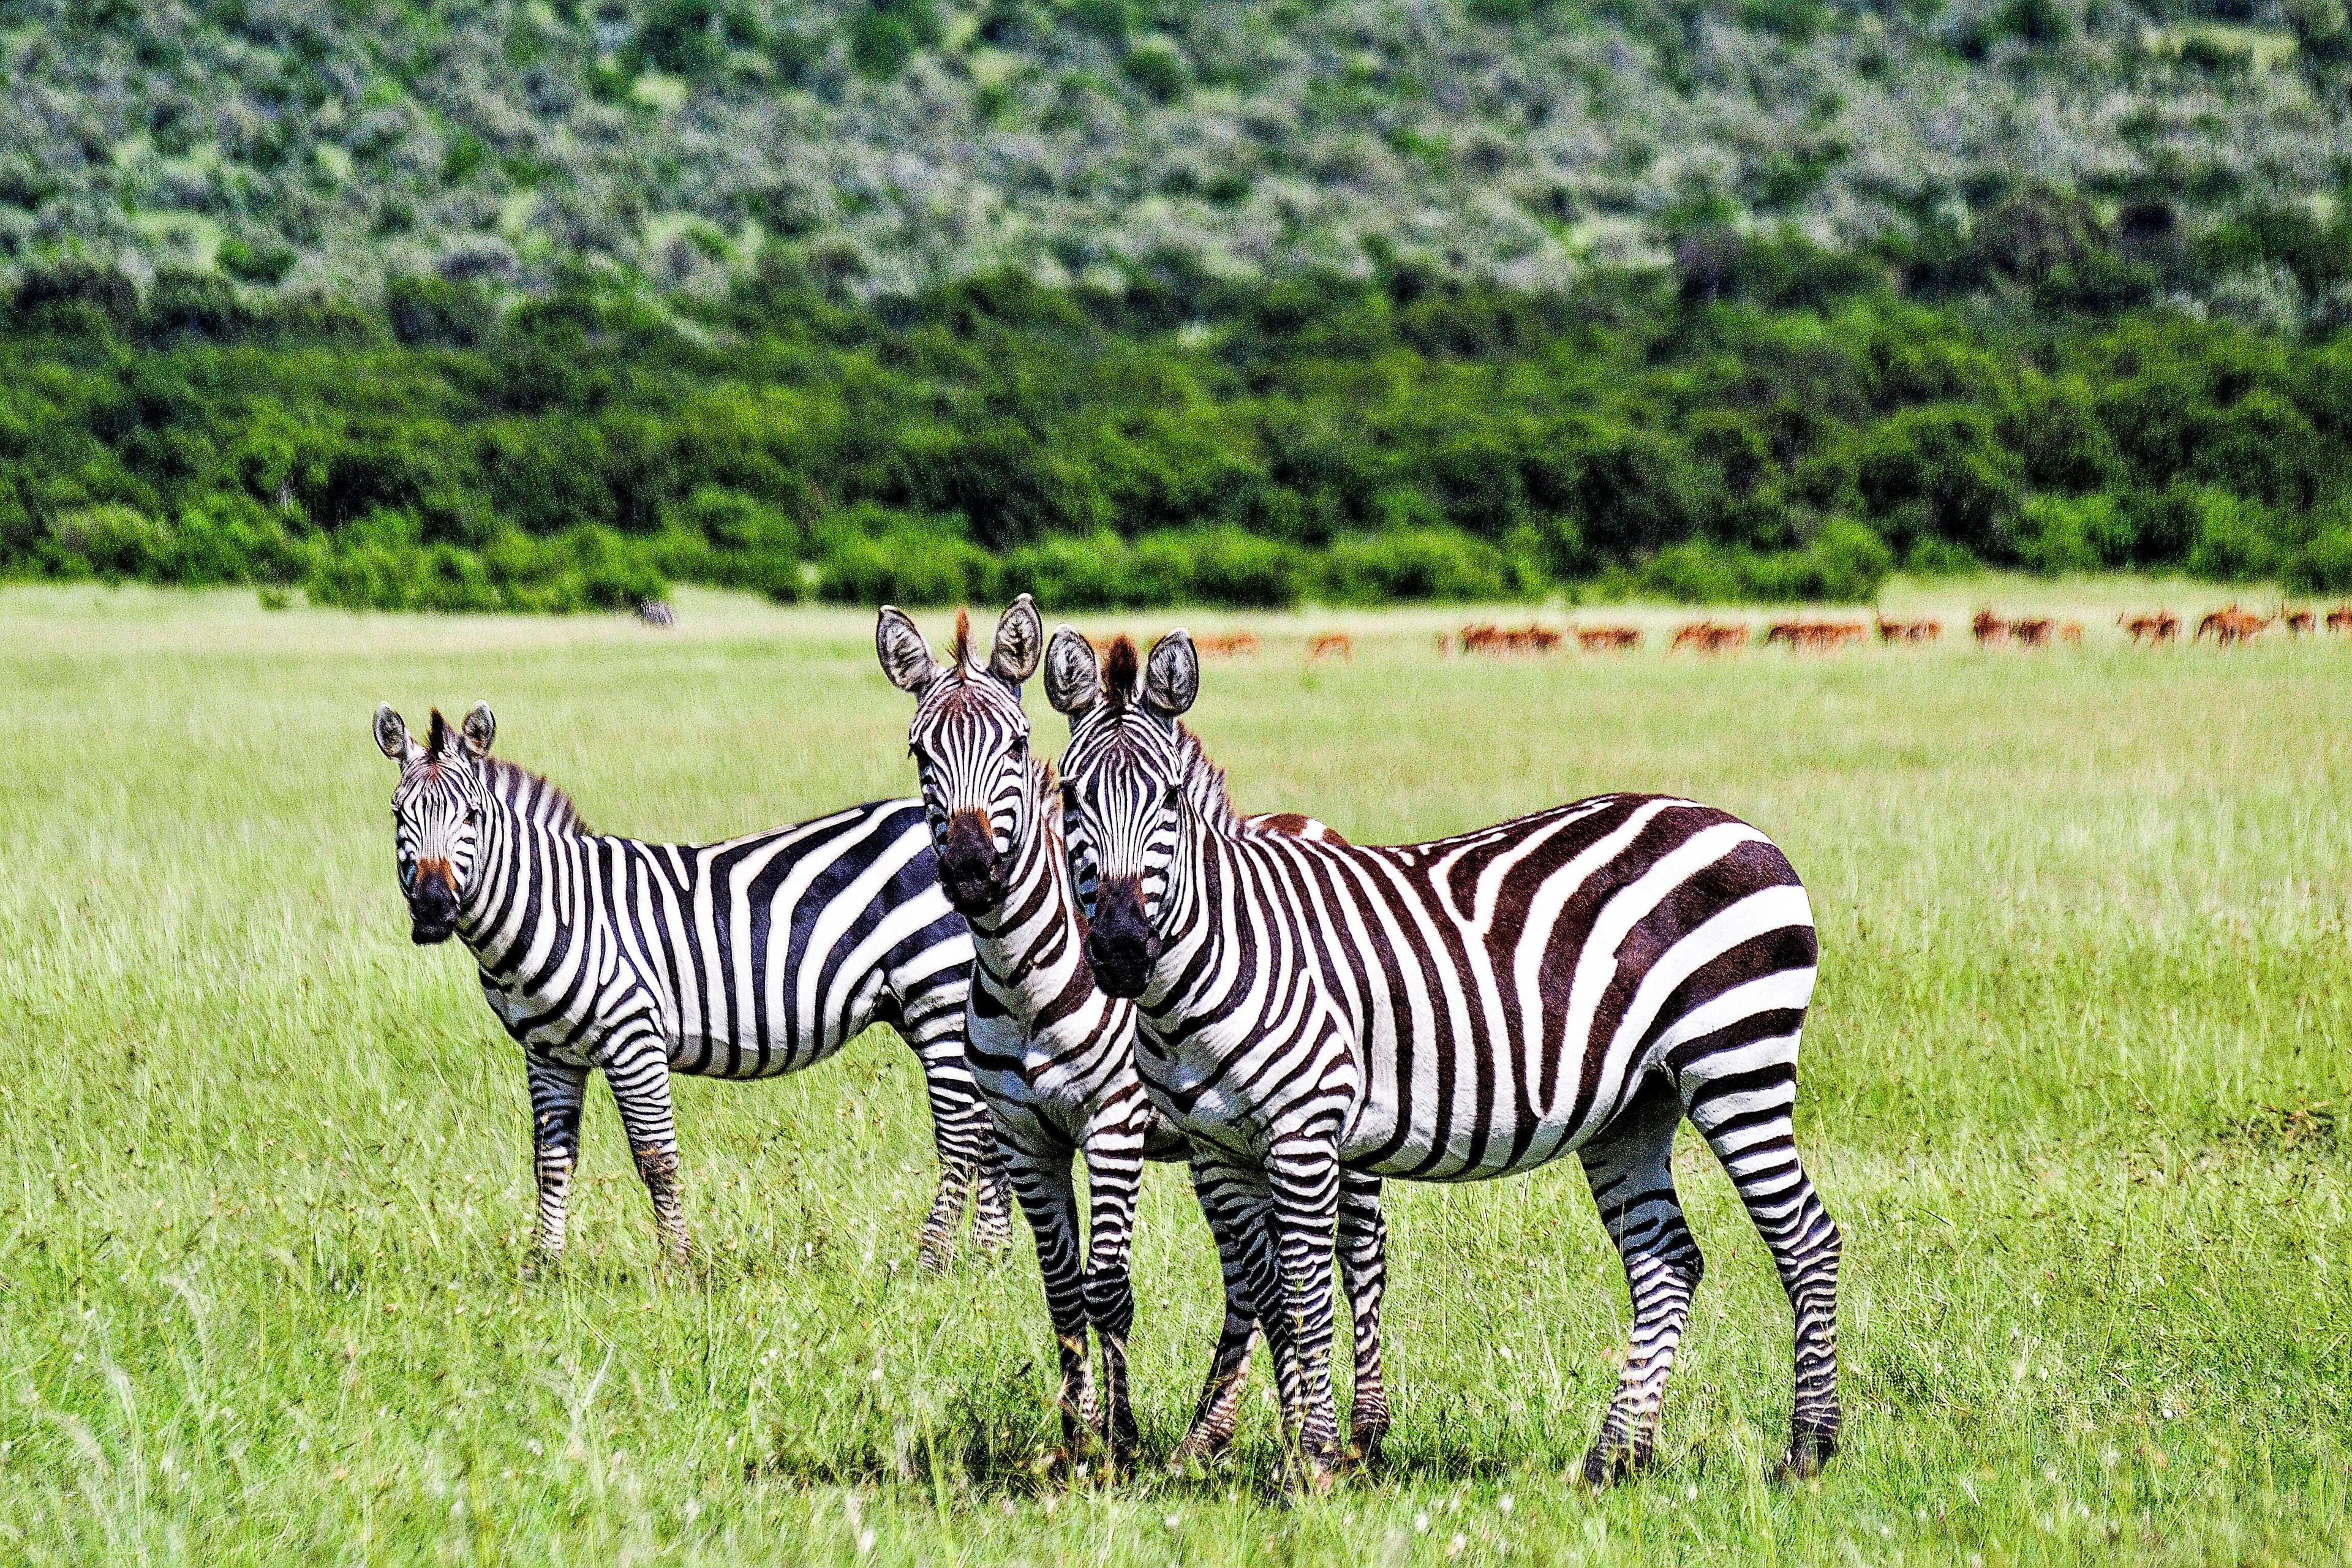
(1360,440)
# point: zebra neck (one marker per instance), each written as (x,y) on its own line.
(1205,860)
(504,858)
(1028,947)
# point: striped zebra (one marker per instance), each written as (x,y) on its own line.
(1579,979)
(742,960)
(1055,1057)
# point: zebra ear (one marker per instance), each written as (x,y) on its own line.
(480,726)
(1171,676)
(392,736)
(1072,675)
(906,656)
(1019,642)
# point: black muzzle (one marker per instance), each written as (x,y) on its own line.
(1121,946)
(971,869)
(432,906)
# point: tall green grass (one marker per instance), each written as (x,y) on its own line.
(2076,1086)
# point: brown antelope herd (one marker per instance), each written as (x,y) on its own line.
(2227,626)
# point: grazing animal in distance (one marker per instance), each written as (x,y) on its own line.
(1331,645)
(2229,626)
(1817,636)
(2298,623)
(656,612)
(1053,1056)
(1709,637)
(2033,633)
(2070,632)
(2339,620)
(1988,628)
(1922,631)
(1578,980)
(2161,627)
(1231,644)
(1608,639)
(742,960)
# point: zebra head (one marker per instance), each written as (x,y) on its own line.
(436,813)
(1123,790)
(969,740)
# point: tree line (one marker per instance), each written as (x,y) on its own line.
(1763,422)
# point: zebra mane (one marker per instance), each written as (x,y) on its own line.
(1204,783)
(531,796)
(1119,669)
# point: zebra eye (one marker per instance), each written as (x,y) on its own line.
(1173,793)
(1020,747)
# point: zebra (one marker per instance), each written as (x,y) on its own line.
(746,959)
(1579,979)
(1055,1057)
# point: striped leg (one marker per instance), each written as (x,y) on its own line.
(1303,1170)
(1629,1167)
(1114,1152)
(637,1067)
(1364,1273)
(1742,1096)
(1237,1224)
(966,1141)
(557,1092)
(1041,1180)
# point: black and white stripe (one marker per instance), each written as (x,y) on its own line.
(1055,1057)
(1577,980)
(743,960)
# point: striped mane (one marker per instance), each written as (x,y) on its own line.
(1204,783)
(533,797)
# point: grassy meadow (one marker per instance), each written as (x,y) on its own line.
(2076,1086)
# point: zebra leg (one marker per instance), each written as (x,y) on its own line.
(1630,1166)
(966,1141)
(1114,1173)
(1745,1106)
(557,1092)
(638,1070)
(1303,1170)
(1364,1271)
(1237,1229)
(1041,1179)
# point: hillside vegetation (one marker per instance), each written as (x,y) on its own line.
(897,143)
(547,306)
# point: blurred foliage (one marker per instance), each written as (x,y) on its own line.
(1796,429)
(2091,157)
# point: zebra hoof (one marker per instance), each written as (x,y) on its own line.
(1606,1466)
(1809,1449)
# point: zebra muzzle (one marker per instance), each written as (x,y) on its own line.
(1121,946)
(432,903)
(971,869)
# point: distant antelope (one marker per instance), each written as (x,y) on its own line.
(1909,631)
(2034,633)
(2161,627)
(1333,644)
(1709,637)
(2298,622)
(2069,631)
(2339,620)
(2230,625)
(1988,628)
(1608,639)
(1230,643)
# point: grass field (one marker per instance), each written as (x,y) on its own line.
(2076,1087)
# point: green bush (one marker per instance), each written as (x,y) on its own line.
(1432,564)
